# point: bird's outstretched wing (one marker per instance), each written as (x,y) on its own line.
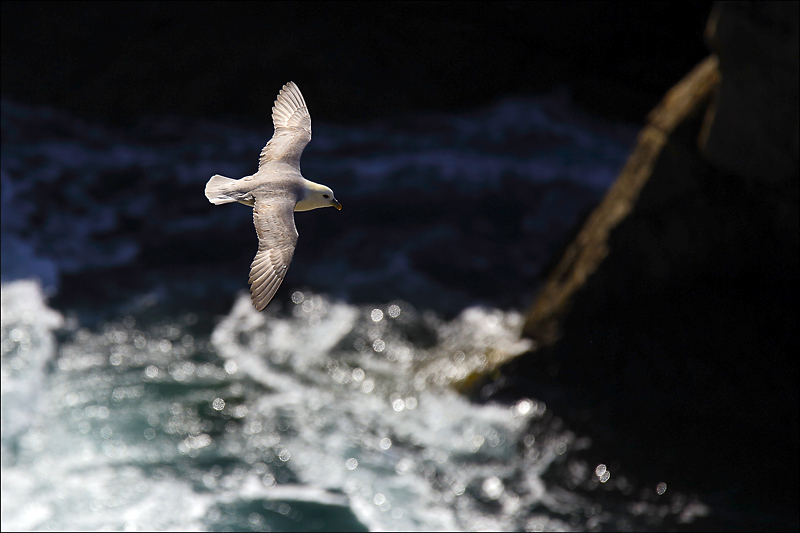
(292,128)
(277,237)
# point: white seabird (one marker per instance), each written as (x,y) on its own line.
(274,192)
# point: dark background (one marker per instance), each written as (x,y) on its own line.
(114,62)
(119,63)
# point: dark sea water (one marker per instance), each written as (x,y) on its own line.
(142,391)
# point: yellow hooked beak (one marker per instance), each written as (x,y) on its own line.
(337,205)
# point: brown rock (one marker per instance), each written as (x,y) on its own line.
(590,248)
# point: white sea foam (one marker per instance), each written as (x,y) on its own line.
(27,347)
(82,464)
(275,420)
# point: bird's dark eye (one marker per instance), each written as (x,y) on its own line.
(325,196)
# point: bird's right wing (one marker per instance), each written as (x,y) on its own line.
(277,238)
(292,128)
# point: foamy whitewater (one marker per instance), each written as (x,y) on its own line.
(332,410)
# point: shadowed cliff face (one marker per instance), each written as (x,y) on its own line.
(673,314)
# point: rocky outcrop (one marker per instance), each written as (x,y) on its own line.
(672,316)
(591,246)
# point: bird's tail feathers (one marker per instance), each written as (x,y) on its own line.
(217,190)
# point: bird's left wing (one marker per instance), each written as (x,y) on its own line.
(277,237)
(292,128)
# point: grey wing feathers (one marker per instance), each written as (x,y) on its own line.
(292,128)
(277,237)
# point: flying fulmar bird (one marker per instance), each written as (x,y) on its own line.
(274,192)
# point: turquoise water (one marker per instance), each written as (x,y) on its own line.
(325,416)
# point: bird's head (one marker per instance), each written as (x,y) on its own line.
(316,196)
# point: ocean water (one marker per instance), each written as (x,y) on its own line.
(141,390)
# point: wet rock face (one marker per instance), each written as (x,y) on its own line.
(683,338)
